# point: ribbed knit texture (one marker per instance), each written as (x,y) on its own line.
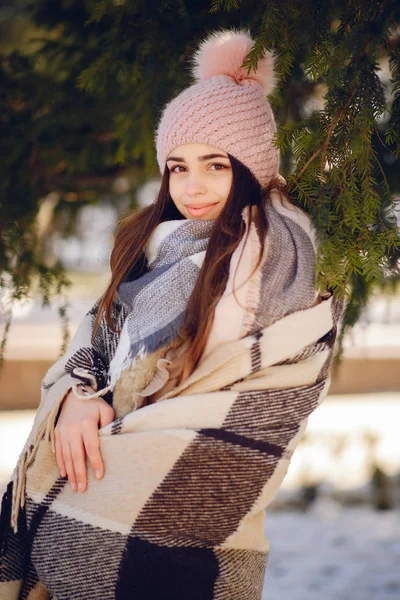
(230,113)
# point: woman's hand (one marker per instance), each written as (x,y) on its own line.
(77,434)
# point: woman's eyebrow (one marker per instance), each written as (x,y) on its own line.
(204,157)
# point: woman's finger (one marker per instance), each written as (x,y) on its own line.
(79,459)
(59,456)
(69,465)
(91,442)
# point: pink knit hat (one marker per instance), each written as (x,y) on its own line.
(226,107)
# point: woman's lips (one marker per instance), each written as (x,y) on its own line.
(202,210)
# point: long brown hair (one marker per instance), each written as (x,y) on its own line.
(128,259)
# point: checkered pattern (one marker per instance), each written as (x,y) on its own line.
(180,510)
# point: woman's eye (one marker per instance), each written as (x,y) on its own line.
(220,166)
(177,167)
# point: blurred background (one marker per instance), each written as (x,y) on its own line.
(334,526)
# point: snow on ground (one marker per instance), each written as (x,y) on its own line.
(333,553)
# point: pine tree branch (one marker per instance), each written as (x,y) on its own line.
(382,142)
(324,147)
(305,167)
(378,162)
(332,127)
(334,123)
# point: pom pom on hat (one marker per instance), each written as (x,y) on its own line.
(223,53)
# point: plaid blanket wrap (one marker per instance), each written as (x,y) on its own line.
(180,511)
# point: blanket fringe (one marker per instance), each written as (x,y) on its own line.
(19,480)
(45,431)
(5,518)
(81,372)
(88,396)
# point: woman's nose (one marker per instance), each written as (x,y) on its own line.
(194,185)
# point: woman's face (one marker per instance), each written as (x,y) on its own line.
(200,179)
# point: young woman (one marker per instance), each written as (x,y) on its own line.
(178,405)
(196,185)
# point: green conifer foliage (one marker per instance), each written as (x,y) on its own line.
(337,173)
(83,88)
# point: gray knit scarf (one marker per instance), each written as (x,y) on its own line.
(157,300)
(175,252)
